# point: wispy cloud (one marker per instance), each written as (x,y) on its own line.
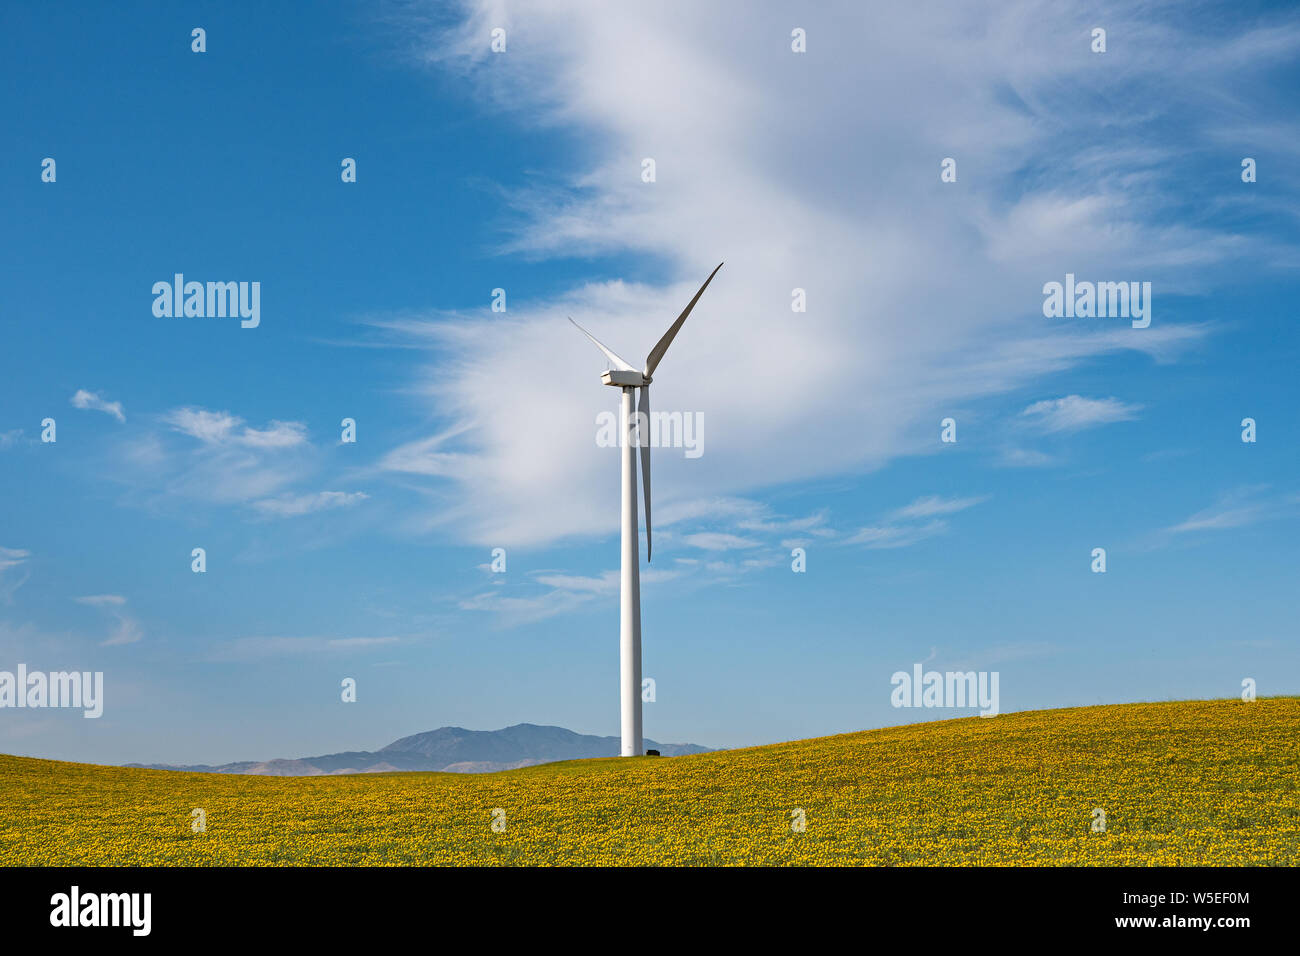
(223,428)
(92,401)
(603,584)
(1238,509)
(739,514)
(208,457)
(102,600)
(13,572)
(549,593)
(933,505)
(814,524)
(896,536)
(907,525)
(719,541)
(1006,653)
(1074,413)
(259,648)
(126,630)
(291,505)
(12,558)
(1013,457)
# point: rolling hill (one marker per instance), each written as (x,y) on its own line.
(1200,783)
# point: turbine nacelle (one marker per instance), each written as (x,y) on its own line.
(624,378)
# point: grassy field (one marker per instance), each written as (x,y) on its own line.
(1212,782)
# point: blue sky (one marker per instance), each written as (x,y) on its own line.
(522,170)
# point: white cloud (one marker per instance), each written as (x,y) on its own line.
(513,610)
(1074,413)
(896,536)
(921,296)
(715,508)
(222,428)
(208,427)
(1220,517)
(126,630)
(1024,458)
(12,557)
(903,527)
(719,541)
(813,524)
(563,593)
(259,648)
(278,435)
(213,458)
(604,584)
(291,505)
(102,600)
(1238,509)
(933,505)
(423,457)
(12,560)
(90,400)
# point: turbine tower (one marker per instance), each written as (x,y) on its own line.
(624,376)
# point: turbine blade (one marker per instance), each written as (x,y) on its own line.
(643,449)
(657,353)
(618,362)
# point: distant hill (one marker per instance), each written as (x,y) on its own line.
(448,749)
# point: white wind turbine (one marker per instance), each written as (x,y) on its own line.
(627,378)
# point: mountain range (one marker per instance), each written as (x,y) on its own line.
(447,749)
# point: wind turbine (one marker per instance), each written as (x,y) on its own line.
(627,378)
